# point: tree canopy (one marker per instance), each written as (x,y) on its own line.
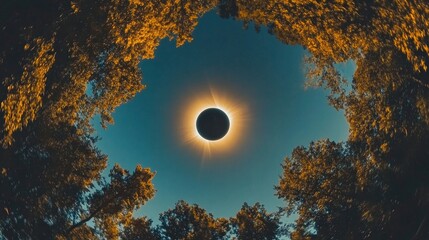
(254,222)
(80,58)
(64,62)
(51,186)
(191,222)
(375,185)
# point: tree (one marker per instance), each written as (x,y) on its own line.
(375,185)
(337,31)
(80,58)
(320,184)
(140,229)
(253,222)
(382,166)
(389,125)
(51,187)
(190,222)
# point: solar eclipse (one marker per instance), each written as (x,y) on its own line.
(212,124)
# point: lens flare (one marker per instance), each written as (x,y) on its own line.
(228,103)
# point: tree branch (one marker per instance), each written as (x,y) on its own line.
(420,82)
(416,236)
(83,221)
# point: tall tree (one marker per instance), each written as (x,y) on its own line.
(374,186)
(140,229)
(254,222)
(319,183)
(191,222)
(50,186)
(389,124)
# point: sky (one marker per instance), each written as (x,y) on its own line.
(255,78)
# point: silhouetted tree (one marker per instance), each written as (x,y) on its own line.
(190,222)
(140,229)
(389,128)
(254,222)
(319,183)
(374,186)
(51,187)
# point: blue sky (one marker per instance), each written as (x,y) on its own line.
(250,69)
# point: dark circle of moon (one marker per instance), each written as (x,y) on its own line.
(212,124)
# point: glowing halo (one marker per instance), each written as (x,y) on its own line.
(234,109)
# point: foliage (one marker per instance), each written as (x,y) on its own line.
(337,31)
(254,222)
(140,229)
(77,59)
(375,185)
(64,62)
(50,187)
(319,183)
(80,58)
(190,222)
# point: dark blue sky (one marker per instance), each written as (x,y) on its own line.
(247,68)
